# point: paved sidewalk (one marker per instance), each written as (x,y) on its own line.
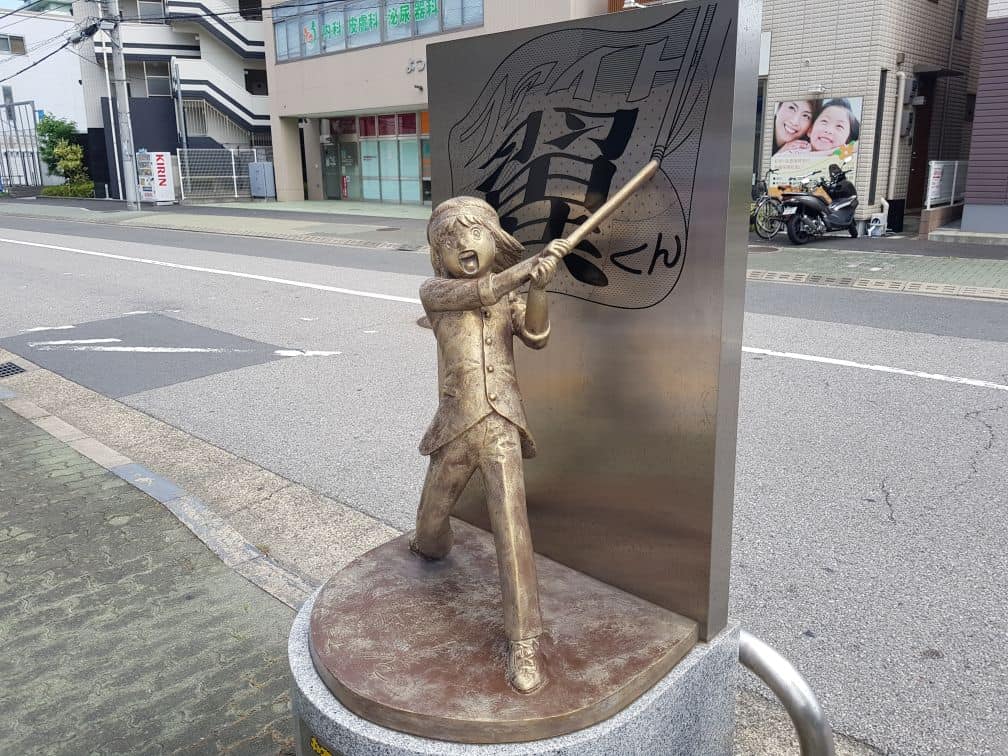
(886,271)
(267,220)
(120,632)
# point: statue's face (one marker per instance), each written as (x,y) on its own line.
(468,252)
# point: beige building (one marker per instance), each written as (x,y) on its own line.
(859,51)
(349,79)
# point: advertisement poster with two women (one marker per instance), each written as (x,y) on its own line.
(809,135)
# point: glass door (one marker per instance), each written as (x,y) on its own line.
(331,172)
(370,170)
(388,150)
(350,171)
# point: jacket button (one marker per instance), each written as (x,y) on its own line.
(486,313)
(492,396)
(489,368)
(489,339)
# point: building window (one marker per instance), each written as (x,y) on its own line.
(311,44)
(459,13)
(12,45)
(158,78)
(363,23)
(960,18)
(150,12)
(306,29)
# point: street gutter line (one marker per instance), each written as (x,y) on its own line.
(412,300)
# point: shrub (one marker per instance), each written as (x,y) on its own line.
(50,132)
(80,189)
(70,162)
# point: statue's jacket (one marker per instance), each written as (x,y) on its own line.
(476,367)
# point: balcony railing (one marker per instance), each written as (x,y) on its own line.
(946,182)
(203,81)
(227,20)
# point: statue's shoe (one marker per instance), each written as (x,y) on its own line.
(525,670)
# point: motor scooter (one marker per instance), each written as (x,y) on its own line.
(828,206)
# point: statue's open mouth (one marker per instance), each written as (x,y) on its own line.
(469,261)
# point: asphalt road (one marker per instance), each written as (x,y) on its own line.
(870,504)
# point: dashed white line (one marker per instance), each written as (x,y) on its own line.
(73,341)
(48,328)
(304,353)
(141,349)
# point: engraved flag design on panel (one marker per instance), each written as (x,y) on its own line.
(568,118)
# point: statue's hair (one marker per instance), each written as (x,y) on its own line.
(467,212)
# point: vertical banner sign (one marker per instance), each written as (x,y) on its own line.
(634,401)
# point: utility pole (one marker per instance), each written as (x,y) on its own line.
(111,17)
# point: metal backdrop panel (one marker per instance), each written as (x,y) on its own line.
(634,402)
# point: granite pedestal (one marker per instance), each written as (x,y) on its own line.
(690,711)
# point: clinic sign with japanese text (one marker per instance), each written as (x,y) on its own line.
(305,30)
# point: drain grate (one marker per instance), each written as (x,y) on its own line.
(7,369)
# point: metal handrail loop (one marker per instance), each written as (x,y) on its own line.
(815,736)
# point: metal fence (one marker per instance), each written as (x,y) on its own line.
(946,182)
(20,167)
(218,174)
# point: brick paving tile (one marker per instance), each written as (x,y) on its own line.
(120,632)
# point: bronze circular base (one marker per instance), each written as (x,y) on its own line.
(419,646)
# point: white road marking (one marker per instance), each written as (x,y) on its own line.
(137,312)
(304,353)
(142,349)
(411,300)
(90,345)
(218,272)
(73,341)
(47,328)
(878,368)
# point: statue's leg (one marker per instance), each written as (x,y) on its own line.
(449,471)
(504,479)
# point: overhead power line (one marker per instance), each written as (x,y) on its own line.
(35,63)
(77,35)
(22,8)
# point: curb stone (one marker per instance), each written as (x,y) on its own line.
(222,539)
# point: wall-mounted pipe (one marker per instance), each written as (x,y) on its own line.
(894,150)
